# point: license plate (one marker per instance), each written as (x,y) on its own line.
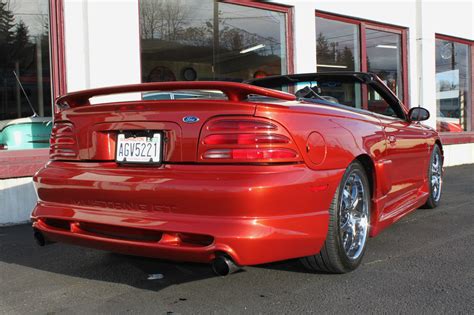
(139,149)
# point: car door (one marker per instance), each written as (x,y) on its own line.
(407,151)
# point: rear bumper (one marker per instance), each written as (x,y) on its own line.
(255,214)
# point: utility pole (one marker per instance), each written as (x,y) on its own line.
(215,42)
(39,75)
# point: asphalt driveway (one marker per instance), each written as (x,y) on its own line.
(422,264)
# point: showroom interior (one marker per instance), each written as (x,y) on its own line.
(49,48)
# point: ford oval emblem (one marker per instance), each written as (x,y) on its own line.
(190,119)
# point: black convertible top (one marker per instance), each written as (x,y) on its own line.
(371,79)
(344,76)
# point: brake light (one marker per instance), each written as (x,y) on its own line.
(63,142)
(250,140)
(3,146)
(250,154)
(242,125)
(245,138)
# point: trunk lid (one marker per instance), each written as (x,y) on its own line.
(96,127)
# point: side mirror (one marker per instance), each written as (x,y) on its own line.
(418,114)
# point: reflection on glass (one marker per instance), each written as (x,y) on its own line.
(252,42)
(25,87)
(452,85)
(378,105)
(337,46)
(337,49)
(208,40)
(346,93)
(384,58)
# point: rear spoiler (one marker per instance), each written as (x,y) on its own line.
(234,91)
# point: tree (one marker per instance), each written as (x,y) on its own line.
(346,58)
(176,16)
(323,50)
(20,42)
(163,19)
(151,19)
(7,23)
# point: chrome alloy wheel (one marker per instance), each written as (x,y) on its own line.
(354,216)
(436,180)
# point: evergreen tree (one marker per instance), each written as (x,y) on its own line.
(346,58)
(323,50)
(7,22)
(20,42)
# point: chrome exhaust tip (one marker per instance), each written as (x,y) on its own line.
(223,265)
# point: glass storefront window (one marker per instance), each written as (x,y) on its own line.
(452,85)
(384,58)
(25,86)
(209,40)
(337,46)
(337,49)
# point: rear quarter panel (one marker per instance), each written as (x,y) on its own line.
(343,136)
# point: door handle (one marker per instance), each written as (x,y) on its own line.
(392,139)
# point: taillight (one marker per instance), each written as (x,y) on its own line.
(242,125)
(251,140)
(245,138)
(3,146)
(250,154)
(63,142)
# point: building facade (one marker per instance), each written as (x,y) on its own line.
(422,49)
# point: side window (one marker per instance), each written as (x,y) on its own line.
(332,91)
(377,104)
(345,93)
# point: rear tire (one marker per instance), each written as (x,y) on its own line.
(435,178)
(349,221)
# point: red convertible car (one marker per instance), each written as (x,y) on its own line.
(296,166)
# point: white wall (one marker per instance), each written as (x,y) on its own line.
(102,43)
(18,197)
(451,17)
(457,154)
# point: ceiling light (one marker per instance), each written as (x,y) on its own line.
(387,46)
(332,66)
(246,50)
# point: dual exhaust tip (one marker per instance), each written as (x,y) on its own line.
(222,265)
(40,239)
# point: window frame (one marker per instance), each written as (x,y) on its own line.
(363,25)
(25,163)
(464,136)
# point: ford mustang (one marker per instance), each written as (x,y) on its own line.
(302,166)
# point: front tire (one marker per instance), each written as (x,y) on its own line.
(348,230)
(435,178)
